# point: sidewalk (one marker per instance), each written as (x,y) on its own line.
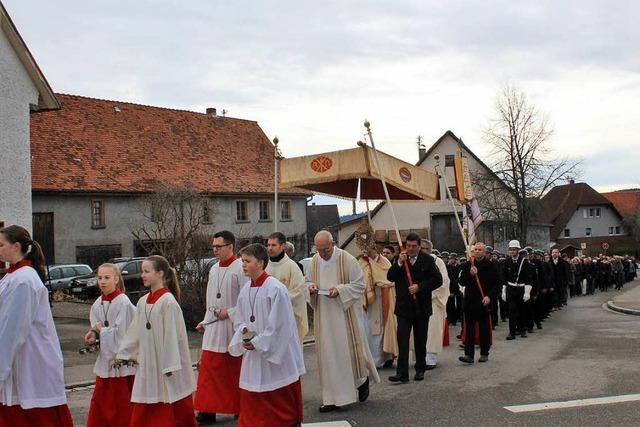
(627,301)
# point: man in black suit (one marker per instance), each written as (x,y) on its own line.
(560,275)
(477,302)
(413,304)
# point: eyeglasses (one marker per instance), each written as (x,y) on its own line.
(220,246)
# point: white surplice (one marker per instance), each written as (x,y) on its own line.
(227,282)
(31,367)
(439,299)
(160,350)
(344,357)
(289,274)
(119,313)
(277,359)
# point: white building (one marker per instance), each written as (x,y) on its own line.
(23,89)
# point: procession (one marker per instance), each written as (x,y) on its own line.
(318,215)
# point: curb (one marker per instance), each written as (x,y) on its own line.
(623,310)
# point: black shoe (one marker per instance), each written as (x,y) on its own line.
(419,376)
(399,379)
(530,330)
(206,418)
(298,424)
(539,326)
(430,367)
(483,358)
(511,337)
(523,335)
(327,408)
(363,391)
(466,359)
(388,364)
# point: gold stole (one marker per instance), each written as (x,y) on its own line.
(356,349)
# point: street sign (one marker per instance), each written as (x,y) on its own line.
(605,245)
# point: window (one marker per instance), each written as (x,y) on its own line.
(131,268)
(155,212)
(597,212)
(618,229)
(585,213)
(68,272)
(285,210)
(97,214)
(591,212)
(454,192)
(265,210)
(611,230)
(206,213)
(82,270)
(449,160)
(587,231)
(55,274)
(242,211)
(567,232)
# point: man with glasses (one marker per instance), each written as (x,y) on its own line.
(219,373)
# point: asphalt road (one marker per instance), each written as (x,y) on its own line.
(584,351)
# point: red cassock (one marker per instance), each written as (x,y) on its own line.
(218,379)
(176,414)
(54,416)
(477,333)
(111,402)
(278,408)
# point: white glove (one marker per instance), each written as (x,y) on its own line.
(527,293)
(504,293)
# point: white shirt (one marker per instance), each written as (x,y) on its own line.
(277,359)
(31,367)
(226,281)
(119,313)
(162,349)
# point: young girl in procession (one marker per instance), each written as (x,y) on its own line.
(267,337)
(110,317)
(157,341)
(32,389)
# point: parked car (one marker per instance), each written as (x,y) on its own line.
(86,287)
(59,277)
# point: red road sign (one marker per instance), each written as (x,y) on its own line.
(605,245)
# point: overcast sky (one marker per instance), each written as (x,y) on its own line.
(311,72)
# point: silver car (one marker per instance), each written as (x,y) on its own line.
(59,276)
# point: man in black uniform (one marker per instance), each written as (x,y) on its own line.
(560,275)
(477,303)
(413,304)
(494,297)
(516,289)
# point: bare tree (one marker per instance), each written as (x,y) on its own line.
(174,228)
(523,159)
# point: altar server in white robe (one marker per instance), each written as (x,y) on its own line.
(110,317)
(344,358)
(32,389)
(157,340)
(219,371)
(267,338)
(289,274)
(439,298)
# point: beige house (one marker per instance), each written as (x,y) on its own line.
(436,220)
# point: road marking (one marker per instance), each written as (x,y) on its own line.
(328,424)
(573,403)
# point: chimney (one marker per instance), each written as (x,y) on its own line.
(211,111)
(422,150)
(572,181)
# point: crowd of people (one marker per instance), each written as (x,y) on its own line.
(369,313)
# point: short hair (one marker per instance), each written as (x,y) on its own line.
(227,236)
(324,233)
(412,237)
(257,251)
(291,247)
(278,235)
(428,243)
(390,248)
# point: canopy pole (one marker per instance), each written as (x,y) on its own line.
(275,184)
(453,205)
(367,125)
(366,202)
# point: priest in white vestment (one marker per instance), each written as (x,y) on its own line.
(344,359)
(439,298)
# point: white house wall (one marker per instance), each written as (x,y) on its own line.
(17,92)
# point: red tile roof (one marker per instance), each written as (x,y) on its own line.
(627,202)
(90,146)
